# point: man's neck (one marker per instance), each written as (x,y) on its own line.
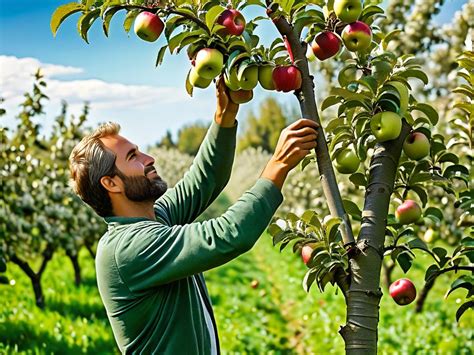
(135,209)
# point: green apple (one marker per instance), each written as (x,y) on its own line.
(148,26)
(197,81)
(230,79)
(386,126)
(348,10)
(347,161)
(381,70)
(248,77)
(209,63)
(241,96)
(357,36)
(408,212)
(265,77)
(416,146)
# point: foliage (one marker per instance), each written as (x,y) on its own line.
(190,138)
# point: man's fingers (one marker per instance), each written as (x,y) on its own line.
(302,132)
(303,122)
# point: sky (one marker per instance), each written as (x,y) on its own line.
(117,75)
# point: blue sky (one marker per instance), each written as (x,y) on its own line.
(117,74)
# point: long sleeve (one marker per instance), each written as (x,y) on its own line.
(151,254)
(206,178)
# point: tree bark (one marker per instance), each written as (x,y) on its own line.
(35,278)
(363,297)
(420,302)
(90,250)
(77,268)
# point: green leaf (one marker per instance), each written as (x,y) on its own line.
(330,101)
(429,111)
(3,280)
(161,54)
(414,73)
(85,22)
(309,278)
(405,260)
(212,15)
(61,13)
(465,281)
(333,124)
(107,17)
(174,42)
(358,179)
(370,11)
(189,87)
(390,36)
(431,273)
(131,15)
(434,211)
(273,229)
(464,307)
(352,209)
(417,243)
(421,194)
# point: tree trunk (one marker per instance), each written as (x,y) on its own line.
(77,269)
(363,297)
(90,250)
(35,278)
(420,302)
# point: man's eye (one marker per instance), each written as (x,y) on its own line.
(133,155)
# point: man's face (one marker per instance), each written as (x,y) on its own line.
(141,182)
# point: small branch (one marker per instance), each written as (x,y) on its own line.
(196,20)
(455,268)
(24,266)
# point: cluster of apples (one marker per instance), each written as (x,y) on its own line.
(356,35)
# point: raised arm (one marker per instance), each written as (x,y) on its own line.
(211,168)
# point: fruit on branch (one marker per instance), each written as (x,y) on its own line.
(248,78)
(148,26)
(357,36)
(403,291)
(230,79)
(348,10)
(254,284)
(233,21)
(287,78)
(197,81)
(347,161)
(386,126)
(408,212)
(306,252)
(241,96)
(416,146)
(265,76)
(326,45)
(209,63)
(381,70)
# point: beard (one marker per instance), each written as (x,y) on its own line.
(142,188)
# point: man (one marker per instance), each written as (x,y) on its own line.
(150,261)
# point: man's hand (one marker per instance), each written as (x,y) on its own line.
(226,109)
(295,142)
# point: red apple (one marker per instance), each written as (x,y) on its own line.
(403,291)
(287,78)
(306,252)
(241,96)
(326,45)
(357,36)
(416,146)
(408,212)
(148,26)
(233,21)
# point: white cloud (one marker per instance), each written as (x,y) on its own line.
(16,77)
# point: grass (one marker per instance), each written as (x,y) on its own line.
(275,317)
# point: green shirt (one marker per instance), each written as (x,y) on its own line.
(145,268)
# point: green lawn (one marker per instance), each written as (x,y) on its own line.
(275,317)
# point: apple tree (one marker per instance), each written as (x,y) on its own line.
(378,114)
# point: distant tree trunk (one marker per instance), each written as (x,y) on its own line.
(35,278)
(420,302)
(77,268)
(90,250)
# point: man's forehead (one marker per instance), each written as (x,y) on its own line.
(118,144)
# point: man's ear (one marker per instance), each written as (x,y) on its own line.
(113,185)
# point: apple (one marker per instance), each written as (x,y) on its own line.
(254,284)
(248,79)
(148,26)
(287,78)
(429,235)
(326,45)
(241,96)
(408,212)
(197,81)
(233,21)
(347,161)
(386,126)
(403,291)
(306,252)
(348,10)
(209,63)
(265,76)
(416,146)
(357,36)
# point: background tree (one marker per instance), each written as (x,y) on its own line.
(190,138)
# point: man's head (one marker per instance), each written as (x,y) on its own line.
(106,167)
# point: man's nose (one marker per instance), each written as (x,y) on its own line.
(148,160)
